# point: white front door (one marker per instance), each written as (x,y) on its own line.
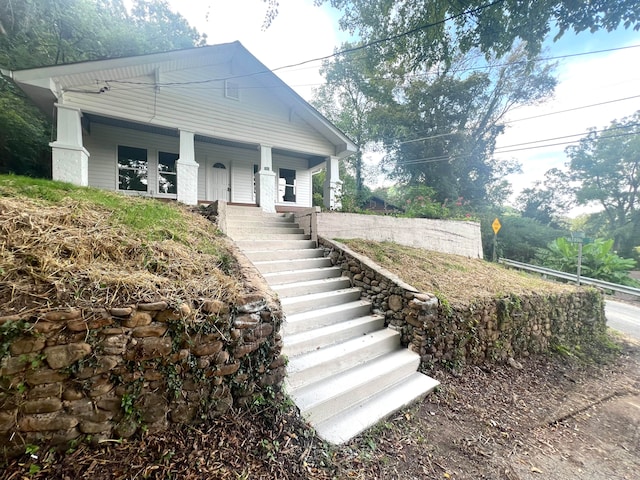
(219,183)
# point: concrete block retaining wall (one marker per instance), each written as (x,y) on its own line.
(110,372)
(446,236)
(492,329)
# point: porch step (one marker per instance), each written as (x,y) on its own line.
(251,231)
(322,317)
(320,401)
(320,337)
(295,289)
(320,364)
(272,255)
(284,224)
(261,245)
(348,423)
(278,278)
(304,303)
(250,234)
(253,210)
(346,371)
(285,265)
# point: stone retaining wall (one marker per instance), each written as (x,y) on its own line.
(103,373)
(493,329)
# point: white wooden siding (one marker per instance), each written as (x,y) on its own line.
(102,144)
(258,117)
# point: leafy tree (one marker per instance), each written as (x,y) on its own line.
(548,200)
(492,26)
(347,99)
(519,238)
(351,201)
(440,131)
(36,33)
(606,168)
(598,260)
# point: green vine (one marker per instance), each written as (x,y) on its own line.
(9,332)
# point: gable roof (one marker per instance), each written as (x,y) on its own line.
(45,85)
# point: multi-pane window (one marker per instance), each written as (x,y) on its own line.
(133,171)
(167,174)
(287,185)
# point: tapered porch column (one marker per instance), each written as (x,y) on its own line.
(70,160)
(187,170)
(332,184)
(266,181)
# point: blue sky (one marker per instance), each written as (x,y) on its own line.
(302,31)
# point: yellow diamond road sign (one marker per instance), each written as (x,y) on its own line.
(496,226)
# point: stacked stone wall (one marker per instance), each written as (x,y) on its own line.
(68,374)
(491,329)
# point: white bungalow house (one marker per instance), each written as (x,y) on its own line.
(195,125)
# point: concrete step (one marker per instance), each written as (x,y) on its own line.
(321,400)
(295,289)
(249,235)
(278,278)
(250,222)
(322,317)
(287,265)
(347,424)
(239,231)
(321,337)
(260,217)
(323,363)
(262,245)
(272,255)
(238,210)
(304,303)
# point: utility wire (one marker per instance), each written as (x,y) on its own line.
(526,118)
(573,109)
(335,54)
(440,158)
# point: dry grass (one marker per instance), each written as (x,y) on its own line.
(458,279)
(78,252)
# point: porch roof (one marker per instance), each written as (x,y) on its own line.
(46,85)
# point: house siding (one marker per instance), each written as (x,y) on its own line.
(258,117)
(102,144)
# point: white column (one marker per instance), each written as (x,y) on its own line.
(266,181)
(70,160)
(187,170)
(332,184)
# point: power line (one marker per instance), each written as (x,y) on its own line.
(440,158)
(440,135)
(573,109)
(335,54)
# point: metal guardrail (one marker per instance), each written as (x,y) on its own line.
(569,276)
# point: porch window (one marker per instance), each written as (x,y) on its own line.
(133,169)
(167,173)
(287,185)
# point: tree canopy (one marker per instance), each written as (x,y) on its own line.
(433,31)
(35,33)
(605,169)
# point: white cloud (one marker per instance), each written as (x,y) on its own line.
(583,81)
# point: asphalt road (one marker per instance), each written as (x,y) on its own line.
(623,317)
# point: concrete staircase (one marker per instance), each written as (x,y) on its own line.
(346,370)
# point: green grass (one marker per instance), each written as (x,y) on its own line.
(155,219)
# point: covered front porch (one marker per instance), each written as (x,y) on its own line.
(148,160)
